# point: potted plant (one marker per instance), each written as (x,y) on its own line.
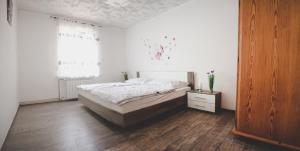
(211,80)
(125,75)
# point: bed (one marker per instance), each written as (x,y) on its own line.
(131,102)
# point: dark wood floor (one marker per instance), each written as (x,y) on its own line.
(68,126)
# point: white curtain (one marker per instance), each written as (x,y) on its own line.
(78,50)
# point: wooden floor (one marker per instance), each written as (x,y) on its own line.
(68,126)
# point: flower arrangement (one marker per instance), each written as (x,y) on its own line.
(125,75)
(211,80)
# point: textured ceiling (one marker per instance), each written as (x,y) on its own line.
(120,13)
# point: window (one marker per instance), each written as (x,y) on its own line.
(78,50)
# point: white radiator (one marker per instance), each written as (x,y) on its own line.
(68,90)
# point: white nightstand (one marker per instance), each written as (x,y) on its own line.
(204,100)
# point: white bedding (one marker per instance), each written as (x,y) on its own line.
(136,103)
(90,87)
(121,93)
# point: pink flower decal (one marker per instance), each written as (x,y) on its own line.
(158,55)
(161,49)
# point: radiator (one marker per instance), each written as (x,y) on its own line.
(68,90)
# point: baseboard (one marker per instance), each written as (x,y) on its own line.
(39,101)
(269,141)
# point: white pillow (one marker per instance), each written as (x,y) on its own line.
(173,83)
(137,81)
(179,84)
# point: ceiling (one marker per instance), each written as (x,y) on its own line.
(120,13)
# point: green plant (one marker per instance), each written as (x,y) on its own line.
(211,80)
(125,75)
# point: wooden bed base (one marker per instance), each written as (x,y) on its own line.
(134,117)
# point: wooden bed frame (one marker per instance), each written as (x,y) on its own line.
(137,116)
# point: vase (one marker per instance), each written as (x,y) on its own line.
(126,76)
(211,83)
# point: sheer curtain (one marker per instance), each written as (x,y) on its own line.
(78,50)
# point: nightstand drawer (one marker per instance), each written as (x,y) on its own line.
(202,98)
(200,103)
(202,106)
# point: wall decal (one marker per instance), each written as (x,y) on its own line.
(160,50)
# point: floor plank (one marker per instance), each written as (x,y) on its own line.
(65,126)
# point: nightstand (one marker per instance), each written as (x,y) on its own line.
(204,100)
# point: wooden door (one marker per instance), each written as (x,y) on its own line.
(268,96)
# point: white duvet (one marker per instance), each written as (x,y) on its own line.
(121,93)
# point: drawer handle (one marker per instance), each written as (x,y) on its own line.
(200,98)
(199,101)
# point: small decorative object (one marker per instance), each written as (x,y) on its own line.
(211,80)
(125,75)
(9,11)
(200,87)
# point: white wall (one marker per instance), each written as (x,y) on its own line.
(206,38)
(8,68)
(206,34)
(37,56)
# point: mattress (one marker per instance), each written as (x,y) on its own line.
(137,102)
